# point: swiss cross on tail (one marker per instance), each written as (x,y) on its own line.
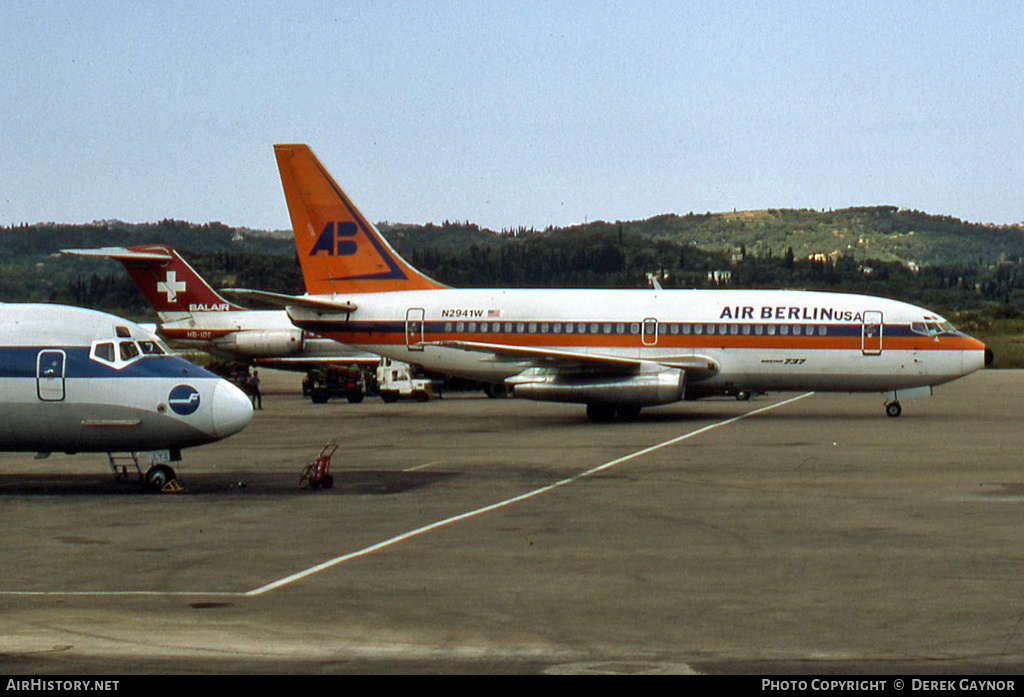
(168,282)
(171,286)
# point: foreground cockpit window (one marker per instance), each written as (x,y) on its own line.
(125,352)
(104,351)
(151,348)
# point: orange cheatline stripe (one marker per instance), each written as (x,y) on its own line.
(676,341)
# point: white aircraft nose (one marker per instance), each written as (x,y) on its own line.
(232,410)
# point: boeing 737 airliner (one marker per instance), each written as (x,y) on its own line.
(616,351)
(76,380)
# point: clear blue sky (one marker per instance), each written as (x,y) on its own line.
(510,114)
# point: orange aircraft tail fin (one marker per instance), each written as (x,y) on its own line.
(339,250)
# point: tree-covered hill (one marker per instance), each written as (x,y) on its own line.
(938,261)
(882,233)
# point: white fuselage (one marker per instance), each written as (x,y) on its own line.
(76,380)
(759,340)
(255,334)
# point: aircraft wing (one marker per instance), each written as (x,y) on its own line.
(698,366)
(311,302)
(120,254)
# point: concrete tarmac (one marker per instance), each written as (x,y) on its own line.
(789,534)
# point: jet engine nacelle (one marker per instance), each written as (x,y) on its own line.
(262,344)
(642,389)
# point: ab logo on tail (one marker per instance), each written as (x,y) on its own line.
(337,239)
(332,240)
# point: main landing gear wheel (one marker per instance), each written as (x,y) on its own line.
(629,412)
(600,413)
(158,476)
(893,409)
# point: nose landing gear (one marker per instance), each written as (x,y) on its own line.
(893,409)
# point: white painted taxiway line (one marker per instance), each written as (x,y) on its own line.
(423,466)
(331,563)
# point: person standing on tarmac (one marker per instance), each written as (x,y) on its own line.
(254,388)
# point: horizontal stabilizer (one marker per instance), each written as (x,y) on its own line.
(284,300)
(121,254)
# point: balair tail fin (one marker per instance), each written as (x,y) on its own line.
(170,285)
(339,250)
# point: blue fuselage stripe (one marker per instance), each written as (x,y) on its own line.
(20,362)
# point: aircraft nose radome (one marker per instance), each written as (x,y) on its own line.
(232,410)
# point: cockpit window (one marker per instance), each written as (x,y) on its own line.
(104,351)
(932,328)
(122,353)
(123,332)
(151,348)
